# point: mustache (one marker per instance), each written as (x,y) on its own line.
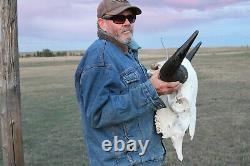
(127,29)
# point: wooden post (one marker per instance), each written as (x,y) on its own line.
(10,104)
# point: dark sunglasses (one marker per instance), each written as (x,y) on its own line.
(120,19)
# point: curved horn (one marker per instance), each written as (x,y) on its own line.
(191,54)
(170,68)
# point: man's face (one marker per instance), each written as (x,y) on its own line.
(121,32)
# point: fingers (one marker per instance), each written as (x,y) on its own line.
(175,88)
(162,87)
(172,84)
(169,87)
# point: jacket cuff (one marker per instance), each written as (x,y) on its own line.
(152,96)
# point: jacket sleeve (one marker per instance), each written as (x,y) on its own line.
(103,106)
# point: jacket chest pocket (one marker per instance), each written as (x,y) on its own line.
(130,77)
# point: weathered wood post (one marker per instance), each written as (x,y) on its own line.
(10,105)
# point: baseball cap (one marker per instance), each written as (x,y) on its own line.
(114,7)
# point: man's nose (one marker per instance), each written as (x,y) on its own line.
(127,22)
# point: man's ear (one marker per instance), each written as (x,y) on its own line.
(102,24)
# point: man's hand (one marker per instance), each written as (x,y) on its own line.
(162,87)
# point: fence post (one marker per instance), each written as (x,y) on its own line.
(10,104)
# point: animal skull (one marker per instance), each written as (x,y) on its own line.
(180,112)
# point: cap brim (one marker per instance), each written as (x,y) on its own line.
(134,9)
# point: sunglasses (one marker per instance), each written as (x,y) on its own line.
(120,19)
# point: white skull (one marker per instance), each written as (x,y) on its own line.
(180,112)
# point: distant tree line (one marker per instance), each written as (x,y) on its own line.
(49,53)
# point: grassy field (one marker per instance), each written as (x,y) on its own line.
(51,121)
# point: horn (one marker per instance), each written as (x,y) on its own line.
(191,54)
(172,65)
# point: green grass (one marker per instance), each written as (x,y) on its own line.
(52,133)
(245,55)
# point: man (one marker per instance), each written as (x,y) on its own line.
(116,97)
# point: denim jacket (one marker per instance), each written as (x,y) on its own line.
(116,98)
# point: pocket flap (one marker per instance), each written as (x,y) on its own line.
(130,75)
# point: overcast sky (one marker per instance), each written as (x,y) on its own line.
(71,24)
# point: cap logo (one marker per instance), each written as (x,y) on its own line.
(120,1)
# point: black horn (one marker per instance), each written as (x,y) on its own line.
(172,70)
(191,54)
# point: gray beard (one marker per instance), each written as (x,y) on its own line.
(122,41)
(116,36)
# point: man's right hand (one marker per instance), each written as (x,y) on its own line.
(162,87)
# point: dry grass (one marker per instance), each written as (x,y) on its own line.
(51,120)
(223,108)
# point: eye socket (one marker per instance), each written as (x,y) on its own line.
(154,67)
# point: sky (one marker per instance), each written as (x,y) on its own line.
(71,24)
